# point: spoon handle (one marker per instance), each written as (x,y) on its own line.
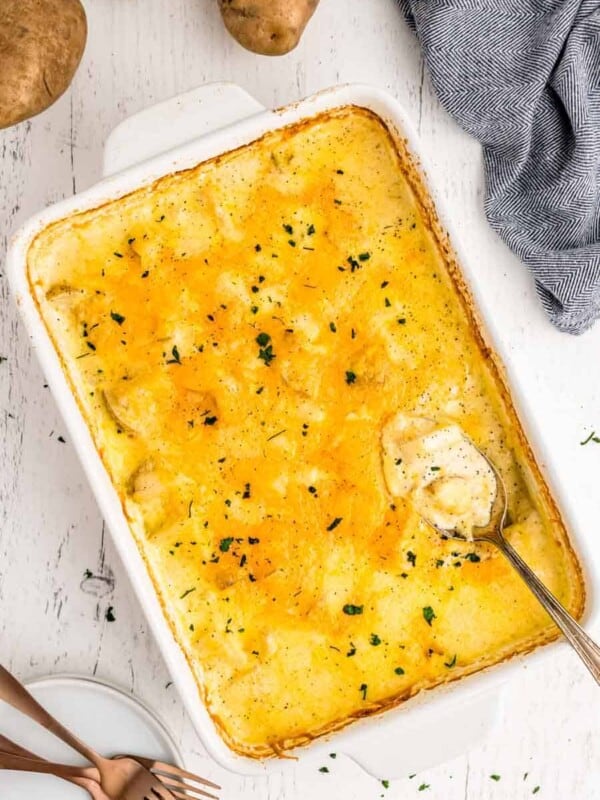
(17,696)
(587,650)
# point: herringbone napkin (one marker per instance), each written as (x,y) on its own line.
(523,77)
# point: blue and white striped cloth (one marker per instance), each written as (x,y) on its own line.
(523,77)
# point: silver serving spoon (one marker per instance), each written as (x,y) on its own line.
(587,650)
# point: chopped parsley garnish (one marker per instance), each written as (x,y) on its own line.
(291,243)
(411,557)
(401,321)
(472,557)
(253,540)
(91,345)
(351,610)
(374,640)
(254,309)
(434,469)
(363,689)
(258,248)
(225,544)
(145,273)
(429,615)
(384,284)
(310,230)
(118,318)
(210,420)
(332,327)
(312,489)
(536,790)
(364,256)
(188,591)
(288,229)
(246,494)
(424,786)
(399,671)
(110,614)
(495,777)
(176,357)
(332,755)
(350,377)
(591,438)
(352,651)
(334,523)
(387,302)
(323,769)
(267,355)
(451,663)
(265,352)
(118,255)
(385,784)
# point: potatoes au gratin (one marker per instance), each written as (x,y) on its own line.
(277,358)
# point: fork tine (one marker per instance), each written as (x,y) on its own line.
(173,771)
(189,791)
(185,796)
(161,792)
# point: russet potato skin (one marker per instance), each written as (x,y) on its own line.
(41,44)
(267,27)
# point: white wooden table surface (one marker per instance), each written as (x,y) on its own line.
(51,619)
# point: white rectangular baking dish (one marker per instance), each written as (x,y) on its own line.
(176,135)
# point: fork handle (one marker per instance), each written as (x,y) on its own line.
(587,650)
(19,764)
(10,748)
(17,696)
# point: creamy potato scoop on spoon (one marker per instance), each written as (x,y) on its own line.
(449,481)
(455,488)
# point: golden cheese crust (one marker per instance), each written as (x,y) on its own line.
(237,336)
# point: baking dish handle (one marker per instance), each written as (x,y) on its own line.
(175,122)
(429,736)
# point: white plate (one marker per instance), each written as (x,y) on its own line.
(109,720)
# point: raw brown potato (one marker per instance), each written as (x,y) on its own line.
(268,27)
(41,44)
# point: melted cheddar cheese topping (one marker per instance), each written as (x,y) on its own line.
(238,337)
